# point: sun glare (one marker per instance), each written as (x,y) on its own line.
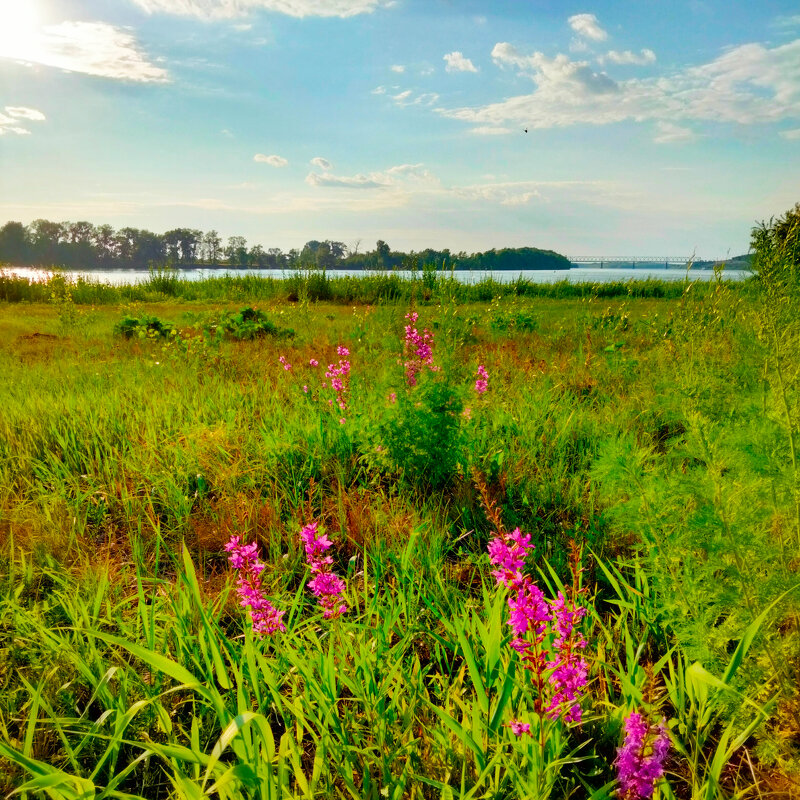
(19,26)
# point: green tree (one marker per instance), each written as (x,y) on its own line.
(14,243)
(236,251)
(212,247)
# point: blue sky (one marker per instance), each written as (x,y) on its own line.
(654,128)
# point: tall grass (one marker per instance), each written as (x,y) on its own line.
(316,286)
(640,426)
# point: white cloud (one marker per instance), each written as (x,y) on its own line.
(792,134)
(568,76)
(229,9)
(456,62)
(92,48)
(321,162)
(273,161)
(22,112)
(379,90)
(407,98)
(10,119)
(586,25)
(397,68)
(490,130)
(402,176)
(670,133)
(747,84)
(790,21)
(646,56)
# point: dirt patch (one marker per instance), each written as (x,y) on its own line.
(28,337)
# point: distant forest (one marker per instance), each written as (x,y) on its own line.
(83,246)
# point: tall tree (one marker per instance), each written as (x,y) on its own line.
(236,251)
(46,239)
(212,248)
(14,243)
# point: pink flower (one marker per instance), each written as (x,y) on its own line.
(640,760)
(339,375)
(392,397)
(342,350)
(305,389)
(418,348)
(482,383)
(518,728)
(313,362)
(560,676)
(286,365)
(325,585)
(265,617)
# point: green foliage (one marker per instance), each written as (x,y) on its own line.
(424,437)
(247,324)
(144,327)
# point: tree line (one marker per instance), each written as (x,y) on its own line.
(84,246)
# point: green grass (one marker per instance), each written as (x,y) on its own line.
(648,425)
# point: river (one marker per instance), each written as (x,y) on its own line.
(120,277)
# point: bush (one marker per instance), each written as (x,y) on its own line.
(144,326)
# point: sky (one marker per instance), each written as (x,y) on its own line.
(592,128)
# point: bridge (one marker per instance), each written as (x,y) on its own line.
(632,261)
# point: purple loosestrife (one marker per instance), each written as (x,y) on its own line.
(265,617)
(517,727)
(559,676)
(418,349)
(569,669)
(339,375)
(640,760)
(326,586)
(482,382)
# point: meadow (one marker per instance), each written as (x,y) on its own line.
(492,541)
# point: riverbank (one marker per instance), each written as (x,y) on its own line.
(360,287)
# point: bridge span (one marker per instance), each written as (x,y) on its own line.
(631,261)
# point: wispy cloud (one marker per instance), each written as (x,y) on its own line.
(399,68)
(23,112)
(321,162)
(792,135)
(646,56)
(11,117)
(273,160)
(587,26)
(457,62)
(670,133)
(91,48)
(490,130)
(397,177)
(408,98)
(229,9)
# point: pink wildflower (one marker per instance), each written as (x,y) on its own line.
(265,617)
(418,348)
(313,362)
(560,677)
(325,585)
(518,728)
(482,382)
(339,375)
(640,760)
(392,397)
(286,365)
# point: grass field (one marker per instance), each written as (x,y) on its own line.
(645,440)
